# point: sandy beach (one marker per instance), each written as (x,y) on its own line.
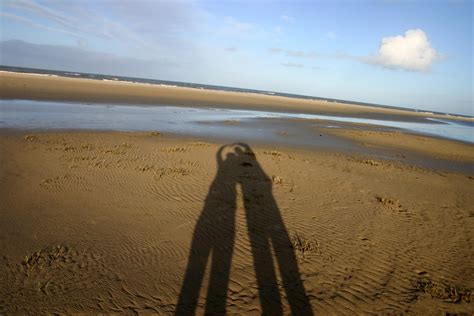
(114,222)
(41,87)
(366,220)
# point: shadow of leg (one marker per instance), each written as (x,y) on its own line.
(200,251)
(220,272)
(213,235)
(295,292)
(264,269)
(266,230)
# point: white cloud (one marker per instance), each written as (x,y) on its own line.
(37,25)
(411,51)
(62,20)
(44,11)
(142,28)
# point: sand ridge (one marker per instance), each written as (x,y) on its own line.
(103,222)
(42,87)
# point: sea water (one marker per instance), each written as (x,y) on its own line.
(25,114)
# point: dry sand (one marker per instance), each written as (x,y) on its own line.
(41,87)
(103,222)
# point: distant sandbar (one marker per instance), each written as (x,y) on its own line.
(43,87)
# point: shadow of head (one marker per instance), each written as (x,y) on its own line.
(235,150)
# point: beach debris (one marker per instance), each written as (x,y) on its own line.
(59,180)
(277,179)
(188,163)
(302,244)
(117,149)
(47,181)
(292,189)
(442,290)
(420,272)
(87,146)
(30,138)
(273,153)
(155,133)
(198,144)
(145,168)
(173,171)
(371,162)
(391,204)
(176,149)
(46,258)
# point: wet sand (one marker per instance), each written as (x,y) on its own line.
(39,87)
(115,222)
(436,148)
(436,154)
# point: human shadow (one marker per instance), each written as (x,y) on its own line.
(214,236)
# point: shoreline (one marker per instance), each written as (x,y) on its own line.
(43,87)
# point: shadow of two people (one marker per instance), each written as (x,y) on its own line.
(214,235)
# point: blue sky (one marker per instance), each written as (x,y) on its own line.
(404,53)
